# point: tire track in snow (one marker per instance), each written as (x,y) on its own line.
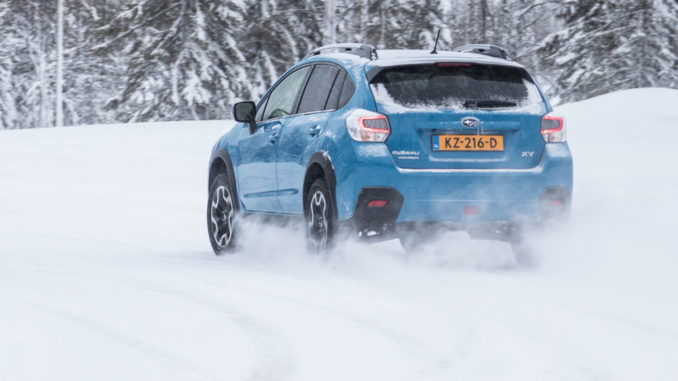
(279,362)
(411,345)
(147,349)
(274,361)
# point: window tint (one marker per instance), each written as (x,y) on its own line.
(318,88)
(455,86)
(333,99)
(260,111)
(346,92)
(282,98)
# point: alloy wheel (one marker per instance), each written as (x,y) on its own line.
(221,215)
(318,228)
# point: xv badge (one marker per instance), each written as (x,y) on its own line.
(527,154)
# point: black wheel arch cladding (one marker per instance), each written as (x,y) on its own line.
(221,162)
(320,165)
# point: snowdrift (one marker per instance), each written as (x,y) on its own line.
(106,270)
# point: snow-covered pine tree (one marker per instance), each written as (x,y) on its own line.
(8,113)
(613,45)
(183,58)
(91,76)
(403,24)
(352,20)
(28,63)
(520,26)
(423,20)
(272,36)
(649,44)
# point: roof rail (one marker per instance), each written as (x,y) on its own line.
(362,50)
(485,49)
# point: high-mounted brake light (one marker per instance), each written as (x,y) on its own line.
(368,126)
(453,64)
(553,128)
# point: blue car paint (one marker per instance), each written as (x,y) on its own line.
(431,192)
(256,170)
(441,195)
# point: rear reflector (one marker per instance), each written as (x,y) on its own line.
(556,202)
(472,210)
(377,203)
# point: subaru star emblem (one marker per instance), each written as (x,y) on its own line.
(470,122)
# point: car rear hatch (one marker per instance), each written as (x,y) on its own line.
(452,115)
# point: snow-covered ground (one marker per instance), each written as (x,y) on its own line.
(106,271)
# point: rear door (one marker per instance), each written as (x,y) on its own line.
(314,109)
(452,115)
(258,183)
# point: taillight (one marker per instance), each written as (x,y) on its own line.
(377,203)
(553,129)
(368,126)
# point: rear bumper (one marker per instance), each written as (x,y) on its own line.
(377,216)
(461,197)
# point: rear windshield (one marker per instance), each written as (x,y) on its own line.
(455,86)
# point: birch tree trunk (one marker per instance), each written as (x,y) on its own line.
(42,75)
(330,20)
(60,65)
(364,17)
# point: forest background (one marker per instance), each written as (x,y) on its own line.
(75,62)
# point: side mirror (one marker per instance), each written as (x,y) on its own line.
(245,112)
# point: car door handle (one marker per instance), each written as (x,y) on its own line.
(315,130)
(275,134)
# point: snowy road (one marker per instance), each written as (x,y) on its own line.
(106,271)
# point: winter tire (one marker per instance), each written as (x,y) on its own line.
(320,220)
(222,211)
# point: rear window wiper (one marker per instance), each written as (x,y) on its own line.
(488,103)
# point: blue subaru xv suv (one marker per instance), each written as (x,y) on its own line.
(394,144)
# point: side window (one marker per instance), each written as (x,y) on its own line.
(333,99)
(318,88)
(260,111)
(281,100)
(346,92)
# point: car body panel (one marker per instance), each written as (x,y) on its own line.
(442,194)
(257,168)
(412,132)
(297,134)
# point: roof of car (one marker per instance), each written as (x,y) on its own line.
(403,57)
(396,57)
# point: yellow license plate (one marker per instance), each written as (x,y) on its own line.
(467,142)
